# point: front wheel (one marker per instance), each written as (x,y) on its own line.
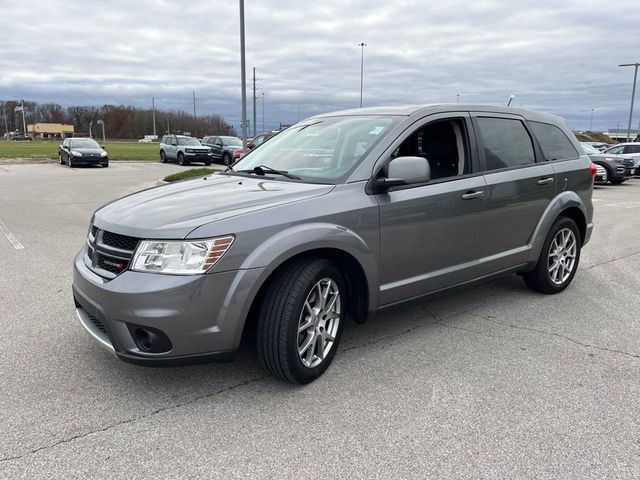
(181,160)
(617,181)
(60,159)
(226,159)
(559,258)
(301,320)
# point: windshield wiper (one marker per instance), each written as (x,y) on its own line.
(264,169)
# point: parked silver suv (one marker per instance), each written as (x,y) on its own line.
(337,217)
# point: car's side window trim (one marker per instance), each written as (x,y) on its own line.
(470,150)
(537,151)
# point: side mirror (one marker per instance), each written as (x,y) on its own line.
(66,147)
(405,171)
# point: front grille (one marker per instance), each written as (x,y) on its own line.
(108,253)
(119,241)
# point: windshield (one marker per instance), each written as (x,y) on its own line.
(323,149)
(83,143)
(589,150)
(189,141)
(231,141)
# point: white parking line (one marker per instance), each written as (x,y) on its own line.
(11,237)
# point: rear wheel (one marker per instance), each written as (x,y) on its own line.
(559,258)
(163,156)
(301,320)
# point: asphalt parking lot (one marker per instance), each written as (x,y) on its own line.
(492,382)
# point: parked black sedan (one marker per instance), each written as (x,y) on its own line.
(618,168)
(82,151)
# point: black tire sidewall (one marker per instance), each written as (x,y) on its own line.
(225,159)
(163,157)
(181,159)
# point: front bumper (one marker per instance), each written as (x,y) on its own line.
(202,315)
(90,160)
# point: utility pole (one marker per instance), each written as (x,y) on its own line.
(263,110)
(591,122)
(361,45)
(243,79)
(90,125)
(6,124)
(254,102)
(24,123)
(168,130)
(633,93)
(195,120)
(153,115)
(457,98)
(101,122)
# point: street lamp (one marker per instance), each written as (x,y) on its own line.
(511,97)
(361,45)
(457,98)
(243,80)
(100,122)
(90,125)
(633,93)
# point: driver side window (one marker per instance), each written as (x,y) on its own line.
(443,143)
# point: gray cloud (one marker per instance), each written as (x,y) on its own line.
(560,57)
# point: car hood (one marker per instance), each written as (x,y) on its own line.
(603,156)
(174,210)
(87,151)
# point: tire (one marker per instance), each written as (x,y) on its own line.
(163,156)
(69,161)
(617,181)
(105,165)
(226,159)
(284,309)
(60,159)
(544,278)
(207,163)
(181,160)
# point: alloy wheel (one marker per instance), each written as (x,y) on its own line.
(562,256)
(319,322)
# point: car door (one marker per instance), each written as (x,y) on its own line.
(172,149)
(432,235)
(217,148)
(520,186)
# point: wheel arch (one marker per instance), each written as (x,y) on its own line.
(358,285)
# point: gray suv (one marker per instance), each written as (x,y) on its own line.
(184,149)
(336,218)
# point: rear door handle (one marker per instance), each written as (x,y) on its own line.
(545,181)
(472,195)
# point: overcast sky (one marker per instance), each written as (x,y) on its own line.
(556,56)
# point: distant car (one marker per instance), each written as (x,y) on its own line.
(598,145)
(601,177)
(145,140)
(254,143)
(184,149)
(82,151)
(617,167)
(21,138)
(627,150)
(222,147)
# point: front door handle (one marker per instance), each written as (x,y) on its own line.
(472,195)
(545,181)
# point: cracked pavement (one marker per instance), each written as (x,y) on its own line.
(489,382)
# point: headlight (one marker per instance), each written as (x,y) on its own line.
(76,154)
(180,257)
(103,154)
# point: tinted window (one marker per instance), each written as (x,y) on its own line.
(506,143)
(190,142)
(632,149)
(554,143)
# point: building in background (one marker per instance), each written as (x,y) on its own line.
(47,130)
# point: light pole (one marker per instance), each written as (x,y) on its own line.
(90,125)
(361,45)
(263,110)
(457,98)
(591,121)
(101,122)
(243,79)
(511,97)
(633,93)
(153,114)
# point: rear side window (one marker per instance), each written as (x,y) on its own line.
(506,143)
(554,143)
(632,149)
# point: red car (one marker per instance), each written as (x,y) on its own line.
(255,142)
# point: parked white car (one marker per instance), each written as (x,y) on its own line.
(145,140)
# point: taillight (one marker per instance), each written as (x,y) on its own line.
(593,170)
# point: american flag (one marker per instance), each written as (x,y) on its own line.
(19,108)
